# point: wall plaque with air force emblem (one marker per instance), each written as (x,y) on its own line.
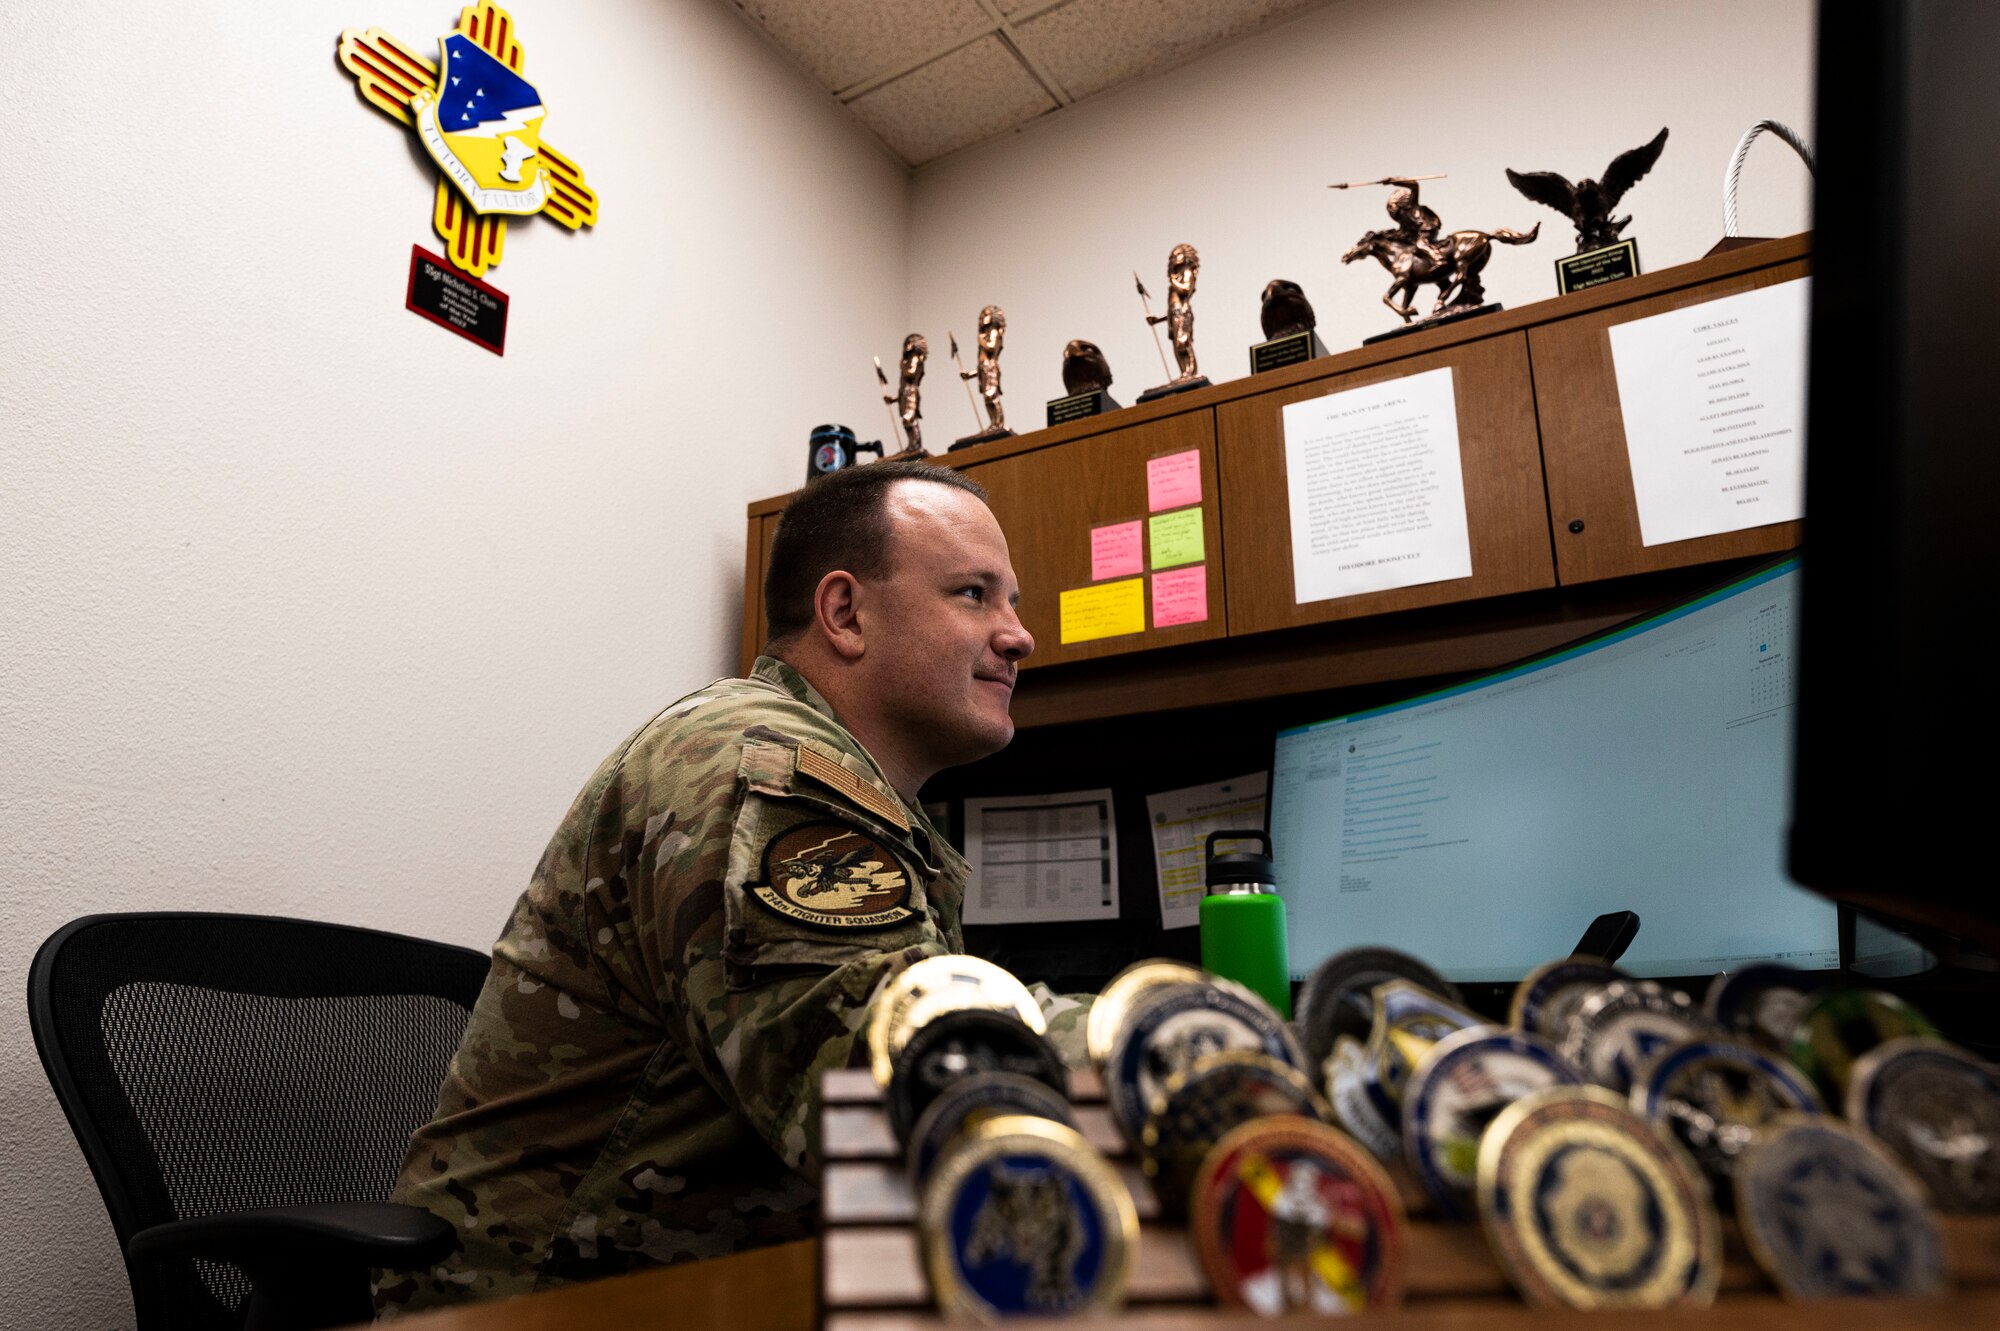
(480,120)
(830,876)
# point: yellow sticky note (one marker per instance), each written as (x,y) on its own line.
(1104,611)
(1176,538)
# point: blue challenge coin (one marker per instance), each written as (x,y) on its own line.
(1736,999)
(1176,1028)
(1827,1213)
(1716,1096)
(1028,1238)
(1456,1093)
(1534,1008)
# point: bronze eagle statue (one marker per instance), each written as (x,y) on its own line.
(1286,310)
(1588,203)
(1084,369)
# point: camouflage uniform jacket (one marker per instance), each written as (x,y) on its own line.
(639,1081)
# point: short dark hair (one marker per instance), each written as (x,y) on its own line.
(839,521)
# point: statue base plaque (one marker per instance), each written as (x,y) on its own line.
(1448,317)
(983,437)
(1290,349)
(1177,386)
(1076,406)
(1593,268)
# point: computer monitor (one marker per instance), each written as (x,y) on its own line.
(1483,827)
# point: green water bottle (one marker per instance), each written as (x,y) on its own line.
(1243,922)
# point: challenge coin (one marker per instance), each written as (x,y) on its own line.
(949,982)
(1456,1092)
(1114,1004)
(1290,1215)
(1764,1000)
(1409,1020)
(1717,1097)
(1176,1025)
(1020,1217)
(1586,1205)
(1826,1212)
(1198,1106)
(1841,1024)
(954,1046)
(1544,1001)
(1348,1078)
(973,1100)
(1339,996)
(1937,1109)
(1622,1026)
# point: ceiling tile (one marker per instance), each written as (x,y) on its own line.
(1090,45)
(974,93)
(842,44)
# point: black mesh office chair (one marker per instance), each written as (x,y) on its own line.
(243,1088)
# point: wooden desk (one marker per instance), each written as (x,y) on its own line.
(1753,1313)
(772,1289)
(767,1289)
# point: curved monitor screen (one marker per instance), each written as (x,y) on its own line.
(1483,827)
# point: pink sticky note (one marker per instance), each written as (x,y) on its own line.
(1116,552)
(1180,596)
(1173,481)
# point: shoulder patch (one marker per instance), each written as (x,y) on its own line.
(829,772)
(833,877)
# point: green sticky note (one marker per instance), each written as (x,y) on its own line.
(1176,538)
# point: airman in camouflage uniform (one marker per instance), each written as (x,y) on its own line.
(638,1084)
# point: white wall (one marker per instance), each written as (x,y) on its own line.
(1234,151)
(306,605)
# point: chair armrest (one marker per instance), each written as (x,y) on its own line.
(325,1234)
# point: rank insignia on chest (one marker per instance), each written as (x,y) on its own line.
(830,876)
(481,122)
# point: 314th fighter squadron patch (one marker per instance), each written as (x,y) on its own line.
(832,877)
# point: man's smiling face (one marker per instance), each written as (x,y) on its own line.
(942,629)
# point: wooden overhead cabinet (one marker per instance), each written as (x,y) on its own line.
(1506,516)
(1551,516)
(1593,516)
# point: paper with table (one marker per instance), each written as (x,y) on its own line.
(1181,821)
(1714,400)
(1041,857)
(1376,489)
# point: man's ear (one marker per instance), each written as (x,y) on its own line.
(837,612)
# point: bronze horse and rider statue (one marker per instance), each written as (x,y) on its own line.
(1417,255)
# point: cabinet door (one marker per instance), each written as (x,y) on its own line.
(1594,519)
(1506,515)
(1049,499)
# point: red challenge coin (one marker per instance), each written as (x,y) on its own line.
(1289,1215)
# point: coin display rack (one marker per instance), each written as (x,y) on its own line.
(871,1254)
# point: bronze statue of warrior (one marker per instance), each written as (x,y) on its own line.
(1418,225)
(1416,255)
(992,333)
(1183,266)
(907,397)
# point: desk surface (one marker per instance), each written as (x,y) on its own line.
(773,1289)
(768,1289)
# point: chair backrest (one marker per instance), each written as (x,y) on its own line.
(212,1063)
